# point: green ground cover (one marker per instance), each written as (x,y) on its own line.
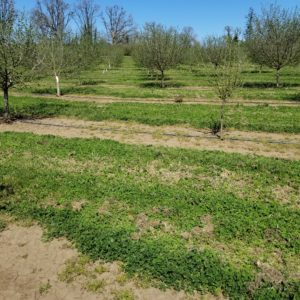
(193,220)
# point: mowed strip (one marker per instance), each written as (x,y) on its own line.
(185,100)
(277,145)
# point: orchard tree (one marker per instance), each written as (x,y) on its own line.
(118,24)
(226,75)
(193,55)
(193,52)
(160,48)
(214,49)
(17,49)
(273,38)
(51,18)
(111,55)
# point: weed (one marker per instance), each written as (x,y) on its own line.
(124,295)
(215,126)
(74,268)
(95,286)
(178,99)
(45,287)
(2,225)
(100,269)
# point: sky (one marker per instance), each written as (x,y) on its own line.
(205,16)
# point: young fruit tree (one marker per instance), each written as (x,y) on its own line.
(51,18)
(226,75)
(273,38)
(17,49)
(160,48)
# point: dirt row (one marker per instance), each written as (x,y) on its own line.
(277,145)
(108,99)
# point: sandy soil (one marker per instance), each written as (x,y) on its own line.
(259,143)
(28,265)
(109,99)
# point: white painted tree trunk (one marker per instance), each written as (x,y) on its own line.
(57,86)
(6,106)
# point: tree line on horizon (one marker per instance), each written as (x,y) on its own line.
(43,42)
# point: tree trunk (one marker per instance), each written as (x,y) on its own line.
(222,119)
(278,78)
(57,86)
(162,79)
(6,104)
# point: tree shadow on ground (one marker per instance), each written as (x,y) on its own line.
(263,85)
(157,84)
(295,97)
(65,90)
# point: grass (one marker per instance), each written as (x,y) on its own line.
(141,201)
(124,295)
(128,81)
(3,225)
(280,119)
(44,288)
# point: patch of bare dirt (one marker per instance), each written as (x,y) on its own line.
(257,143)
(166,175)
(267,274)
(144,224)
(33,269)
(287,195)
(206,230)
(78,205)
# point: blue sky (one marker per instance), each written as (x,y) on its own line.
(205,16)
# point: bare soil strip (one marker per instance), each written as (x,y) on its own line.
(285,146)
(30,268)
(109,99)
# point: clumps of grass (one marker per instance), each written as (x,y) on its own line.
(178,99)
(3,225)
(6,190)
(100,269)
(45,287)
(82,267)
(215,126)
(124,295)
(75,268)
(95,286)
(122,279)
